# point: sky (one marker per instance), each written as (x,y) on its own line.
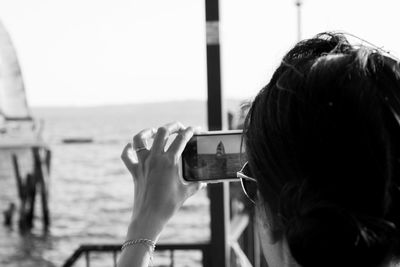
(102,52)
(208,145)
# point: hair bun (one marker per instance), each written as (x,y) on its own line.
(330,236)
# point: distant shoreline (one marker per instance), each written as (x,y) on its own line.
(136,104)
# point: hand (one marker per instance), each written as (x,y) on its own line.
(159,191)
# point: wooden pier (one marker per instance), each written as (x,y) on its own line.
(33,184)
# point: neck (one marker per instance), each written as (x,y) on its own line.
(278,254)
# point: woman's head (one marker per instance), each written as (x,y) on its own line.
(323,143)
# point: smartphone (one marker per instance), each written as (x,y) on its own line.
(213,156)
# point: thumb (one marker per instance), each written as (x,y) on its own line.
(194,187)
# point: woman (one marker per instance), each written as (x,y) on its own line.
(323,143)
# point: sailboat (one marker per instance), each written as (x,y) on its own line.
(220,149)
(17,127)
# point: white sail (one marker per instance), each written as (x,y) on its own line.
(13,103)
(17,128)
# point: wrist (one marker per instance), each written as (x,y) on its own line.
(140,228)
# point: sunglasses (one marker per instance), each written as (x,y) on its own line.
(249,184)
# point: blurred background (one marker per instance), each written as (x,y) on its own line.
(95,72)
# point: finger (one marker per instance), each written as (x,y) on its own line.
(162,136)
(180,141)
(128,158)
(140,139)
(139,143)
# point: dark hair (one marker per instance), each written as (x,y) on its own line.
(323,143)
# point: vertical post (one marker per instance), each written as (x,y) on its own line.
(206,257)
(18,176)
(87,258)
(298,5)
(115,258)
(31,195)
(47,159)
(172,263)
(38,173)
(214,93)
(22,195)
(218,193)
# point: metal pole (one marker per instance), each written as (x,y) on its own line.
(214,103)
(298,4)
(218,193)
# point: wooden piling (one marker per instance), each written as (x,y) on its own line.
(17,175)
(22,223)
(39,174)
(47,159)
(30,197)
(27,189)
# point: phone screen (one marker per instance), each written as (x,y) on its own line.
(213,156)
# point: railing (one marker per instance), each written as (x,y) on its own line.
(115,249)
(243,243)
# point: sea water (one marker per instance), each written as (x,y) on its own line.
(90,192)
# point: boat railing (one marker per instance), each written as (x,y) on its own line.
(114,249)
(243,243)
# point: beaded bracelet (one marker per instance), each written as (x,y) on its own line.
(142,241)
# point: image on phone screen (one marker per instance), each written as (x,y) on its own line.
(212,157)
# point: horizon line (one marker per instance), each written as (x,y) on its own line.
(129,103)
